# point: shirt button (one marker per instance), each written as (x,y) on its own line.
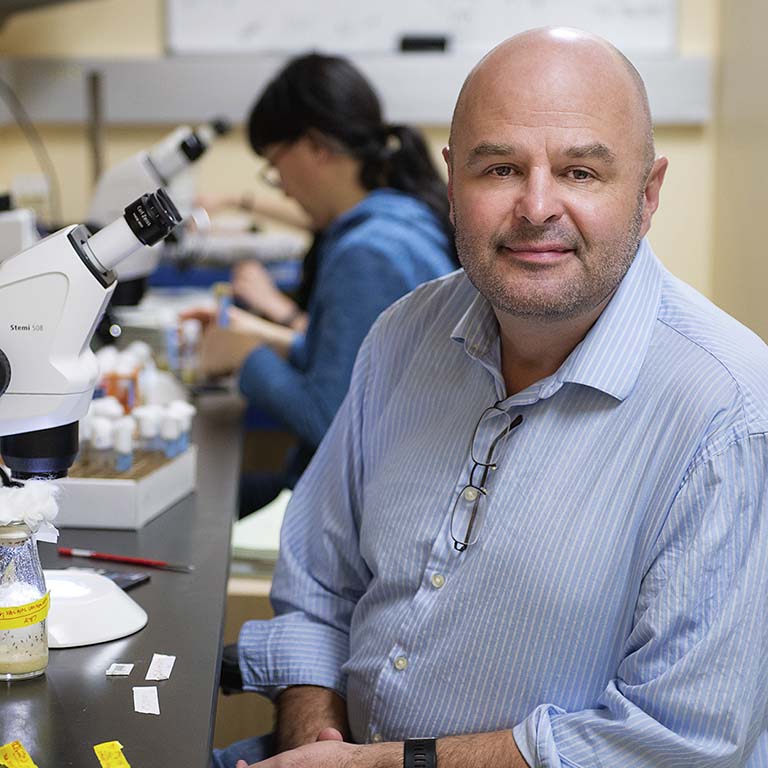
(437,580)
(470,494)
(401,663)
(376,738)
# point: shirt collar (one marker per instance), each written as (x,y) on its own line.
(610,356)
(478,328)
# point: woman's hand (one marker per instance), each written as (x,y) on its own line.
(223,349)
(252,284)
(206,315)
(261,331)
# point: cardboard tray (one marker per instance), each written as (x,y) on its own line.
(94,502)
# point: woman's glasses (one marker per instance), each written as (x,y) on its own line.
(269,173)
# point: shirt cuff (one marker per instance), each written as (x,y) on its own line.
(534,737)
(292,650)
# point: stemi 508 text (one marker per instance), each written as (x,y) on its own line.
(28,327)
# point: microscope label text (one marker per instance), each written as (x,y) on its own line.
(28,327)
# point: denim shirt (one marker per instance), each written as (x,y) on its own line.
(369,256)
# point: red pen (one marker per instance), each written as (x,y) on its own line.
(161,564)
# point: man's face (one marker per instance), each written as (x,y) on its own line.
(548,190)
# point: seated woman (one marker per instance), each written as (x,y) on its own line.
(381,217)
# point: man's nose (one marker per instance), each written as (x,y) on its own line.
(539,199)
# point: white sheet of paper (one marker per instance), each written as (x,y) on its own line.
(120,670)
(145,700)
(160,667)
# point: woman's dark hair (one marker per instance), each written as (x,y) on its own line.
(327,95)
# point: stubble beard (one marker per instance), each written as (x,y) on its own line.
(601,268)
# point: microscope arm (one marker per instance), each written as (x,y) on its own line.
(52,296)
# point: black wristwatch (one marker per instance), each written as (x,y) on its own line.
(420,753)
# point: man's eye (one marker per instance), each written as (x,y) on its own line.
(580,174)
(502,170)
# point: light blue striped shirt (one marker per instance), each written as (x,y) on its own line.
(613,611)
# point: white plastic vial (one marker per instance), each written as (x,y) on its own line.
(191,330)
(185,412)
(170,432)
(107,408)
(123,432)
(148,418)
(101,443)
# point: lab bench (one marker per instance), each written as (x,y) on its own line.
(60,716)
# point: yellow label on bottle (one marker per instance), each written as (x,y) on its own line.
(110,755)
(14,755)
(19,616)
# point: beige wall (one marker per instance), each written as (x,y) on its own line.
(111,28)
(741,199)
(682,233)
(682,229)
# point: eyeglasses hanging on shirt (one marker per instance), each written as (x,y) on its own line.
(469,508)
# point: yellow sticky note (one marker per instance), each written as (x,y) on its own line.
(14,755)
(110,755)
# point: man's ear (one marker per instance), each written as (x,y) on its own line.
(447,158)
(652,191)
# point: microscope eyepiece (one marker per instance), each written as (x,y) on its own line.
(146,221)
(221,126)
(152,217)
(192,147)
(197,142)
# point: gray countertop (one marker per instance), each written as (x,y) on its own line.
(60,716)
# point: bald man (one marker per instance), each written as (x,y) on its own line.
(536,533)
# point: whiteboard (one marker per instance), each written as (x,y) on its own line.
(373,26)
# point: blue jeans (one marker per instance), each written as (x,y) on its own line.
(251,750)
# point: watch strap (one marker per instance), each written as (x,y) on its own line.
(420,753)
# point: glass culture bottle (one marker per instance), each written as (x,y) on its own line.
(24,602)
